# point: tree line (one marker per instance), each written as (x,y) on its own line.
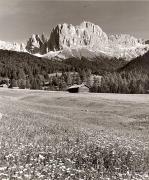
(125,82)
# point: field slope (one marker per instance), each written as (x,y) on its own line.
(57,135)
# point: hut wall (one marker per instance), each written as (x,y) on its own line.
(83,89)
(73,90)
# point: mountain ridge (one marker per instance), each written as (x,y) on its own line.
(65,39)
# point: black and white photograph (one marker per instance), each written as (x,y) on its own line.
(74,90)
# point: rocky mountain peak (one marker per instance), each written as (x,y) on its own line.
(92,37)
(85,35)
(37,44)
(90,26)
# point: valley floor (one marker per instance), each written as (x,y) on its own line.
(58,135)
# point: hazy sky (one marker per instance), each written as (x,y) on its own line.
(21,18)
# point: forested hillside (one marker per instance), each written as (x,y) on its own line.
(131,78)
(140,63)
(27,71)
(23,70)
(98,65)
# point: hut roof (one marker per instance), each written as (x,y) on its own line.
(76,86)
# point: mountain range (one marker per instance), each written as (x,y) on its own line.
(86,40)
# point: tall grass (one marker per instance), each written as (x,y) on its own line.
(34,150)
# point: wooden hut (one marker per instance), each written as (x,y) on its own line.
(78,88)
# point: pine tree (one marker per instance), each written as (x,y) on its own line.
(77,79)
(21,74)
(28,85)
(13,83)
(22,83)
(141,89)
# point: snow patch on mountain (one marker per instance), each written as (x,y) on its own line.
(12,46)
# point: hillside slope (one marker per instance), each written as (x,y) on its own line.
(140,63)
(12,62)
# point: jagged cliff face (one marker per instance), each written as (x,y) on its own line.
(92,37)
(86,35)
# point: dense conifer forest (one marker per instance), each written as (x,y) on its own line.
(23,70)
(127,82)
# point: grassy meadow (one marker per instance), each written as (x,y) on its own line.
(61,136)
